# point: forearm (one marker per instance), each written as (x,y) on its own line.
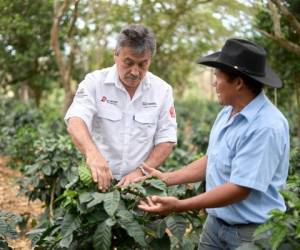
(220,196)
(81,137)
(159,154)
(193,172)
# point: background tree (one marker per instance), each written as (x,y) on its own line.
(27,66)
(279,23)
(64,47)
(181,28)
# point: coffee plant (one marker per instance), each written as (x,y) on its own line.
(8,223)
(78,216)
(88,219)
(282,230)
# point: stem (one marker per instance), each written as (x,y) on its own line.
(52,199)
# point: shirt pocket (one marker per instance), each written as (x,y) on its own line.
(144,126)
(223,157)
(106,124)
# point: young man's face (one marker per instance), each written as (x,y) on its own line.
(132,67)
(226,90)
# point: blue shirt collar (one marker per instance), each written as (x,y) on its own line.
(252,108)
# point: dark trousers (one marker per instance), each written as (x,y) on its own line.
(217,234)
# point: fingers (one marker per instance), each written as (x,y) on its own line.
(149,205)
(121,182)
(140,179)
(104,178)
(148,169)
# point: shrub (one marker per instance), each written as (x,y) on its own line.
(8,224)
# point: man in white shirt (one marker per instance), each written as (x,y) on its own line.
(123,118)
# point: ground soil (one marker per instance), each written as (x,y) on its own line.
(19,204)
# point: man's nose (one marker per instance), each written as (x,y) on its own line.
(135,70)
(213,83)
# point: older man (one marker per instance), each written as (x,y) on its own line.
(123,118)
(246,163)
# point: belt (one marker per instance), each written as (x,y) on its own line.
(236,225)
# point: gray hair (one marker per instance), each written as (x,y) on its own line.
(138,38)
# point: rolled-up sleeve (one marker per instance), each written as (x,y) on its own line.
(257,158)
(167,126)
(83,105)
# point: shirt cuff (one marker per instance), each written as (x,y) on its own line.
(249,184)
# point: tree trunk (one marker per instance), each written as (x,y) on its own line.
(24,92)
(37,96)
(67,101)
(297,91)
(64,63)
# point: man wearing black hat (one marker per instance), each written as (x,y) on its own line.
(246,163)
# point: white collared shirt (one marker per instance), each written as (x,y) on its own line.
(125,130)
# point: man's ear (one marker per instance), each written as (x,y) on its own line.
(115,55)
(239,82)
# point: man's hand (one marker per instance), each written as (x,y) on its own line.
(161,205)
(126,180)
(100,171)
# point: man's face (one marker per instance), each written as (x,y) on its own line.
(226,90)
(131,66)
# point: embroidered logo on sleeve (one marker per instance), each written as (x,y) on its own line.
(81,93)
(103,99)
(172,112)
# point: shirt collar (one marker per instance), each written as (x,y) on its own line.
(251,109)
(113,78)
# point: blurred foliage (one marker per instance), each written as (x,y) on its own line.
(8,228)
(25,54)
(184,29)
(282,229)
(288,67)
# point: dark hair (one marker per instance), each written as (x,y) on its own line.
(255,86)
(137,37)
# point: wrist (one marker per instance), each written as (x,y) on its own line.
(179,206)
(165,178)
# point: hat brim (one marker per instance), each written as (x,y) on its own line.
(213,60)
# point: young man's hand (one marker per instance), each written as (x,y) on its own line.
(161,205)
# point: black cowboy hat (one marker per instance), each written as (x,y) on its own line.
(244,58)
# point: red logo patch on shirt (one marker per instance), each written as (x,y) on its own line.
(103,99)
(172,112)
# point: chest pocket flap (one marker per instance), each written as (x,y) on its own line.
(145,118)
(110,114)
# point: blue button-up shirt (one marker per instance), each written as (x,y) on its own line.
(250,149)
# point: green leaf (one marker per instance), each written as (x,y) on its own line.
(97,198)
(85,197)
(156,183)
(47,170)
(262,229)
(177,225)
(132,227)
(69,225)
(279,233)
(4,245)
(102,236)
(159,227)
(163,243)
(111,202)
(66,241)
